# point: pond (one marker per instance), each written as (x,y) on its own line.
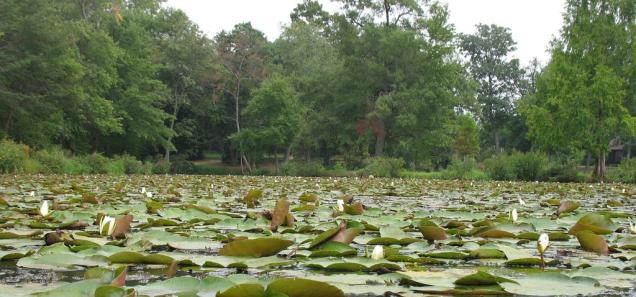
(290,236)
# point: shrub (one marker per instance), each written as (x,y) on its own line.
(383,167)
(161,167)
(462,169)
(561,171)
(625,172)
(499,167)
(181,167)
(133,166)
(115,166)
(95,163)
(53,160)
(528,166)
(298,168)
(76,166)
(13,156)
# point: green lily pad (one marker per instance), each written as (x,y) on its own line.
(259,247)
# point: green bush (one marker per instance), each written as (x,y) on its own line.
(181,166)
(463,170)
(13,156)
(528,166)
(161,167)
(96,163)
(133,166)
(383,167)
(562,171)
(299,168)
(625,172)
(53,160)
(500,167)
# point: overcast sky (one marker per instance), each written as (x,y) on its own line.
(533,22)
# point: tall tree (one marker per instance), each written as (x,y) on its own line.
(402,70)
(242,54)
(274,118)
(185,58)
(583,94)
(498,76)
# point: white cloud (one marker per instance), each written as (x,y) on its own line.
(533,22)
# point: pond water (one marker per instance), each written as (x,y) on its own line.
(289,236)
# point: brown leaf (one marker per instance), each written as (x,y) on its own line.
(567,206)
(592,242)
(354,209)
(280,214)
(120,279)
(122,226)
(345,235)
(172,270)
(289,220)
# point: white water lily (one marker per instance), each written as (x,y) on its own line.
(44,209)
(513,215)
(340,204)
(32,193)
(543,243)
(106,226)
(143,190)
(521,202)
(378,253)
(632,227)
(149,194)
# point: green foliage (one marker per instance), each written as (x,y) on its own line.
(274,118)
(465,137)
(528,166)
(383,167)
(13,156)
(161,167)
(299,168)
(133,166)
(625,172)
(498,76)
(465,169)
(53,160)
(96,163)
(583,95)
(562,171)
(179,165)
(499,167)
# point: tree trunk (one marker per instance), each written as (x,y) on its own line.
(7,123)
(276,161)
(629,151)
(497,142)
(287,154)
(380,138)
(600,167)
(175,112)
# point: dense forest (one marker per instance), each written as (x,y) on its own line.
(378,80)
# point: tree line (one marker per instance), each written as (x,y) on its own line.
(376,78)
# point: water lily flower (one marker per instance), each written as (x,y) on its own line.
(543,243)
(106,226)
(632,227)
(340,204)
(378,253)
(521,202)
(149,194)
(513,215)
(32,193)
(143,190)
(44,209)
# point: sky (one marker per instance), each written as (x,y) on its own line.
(533,22)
